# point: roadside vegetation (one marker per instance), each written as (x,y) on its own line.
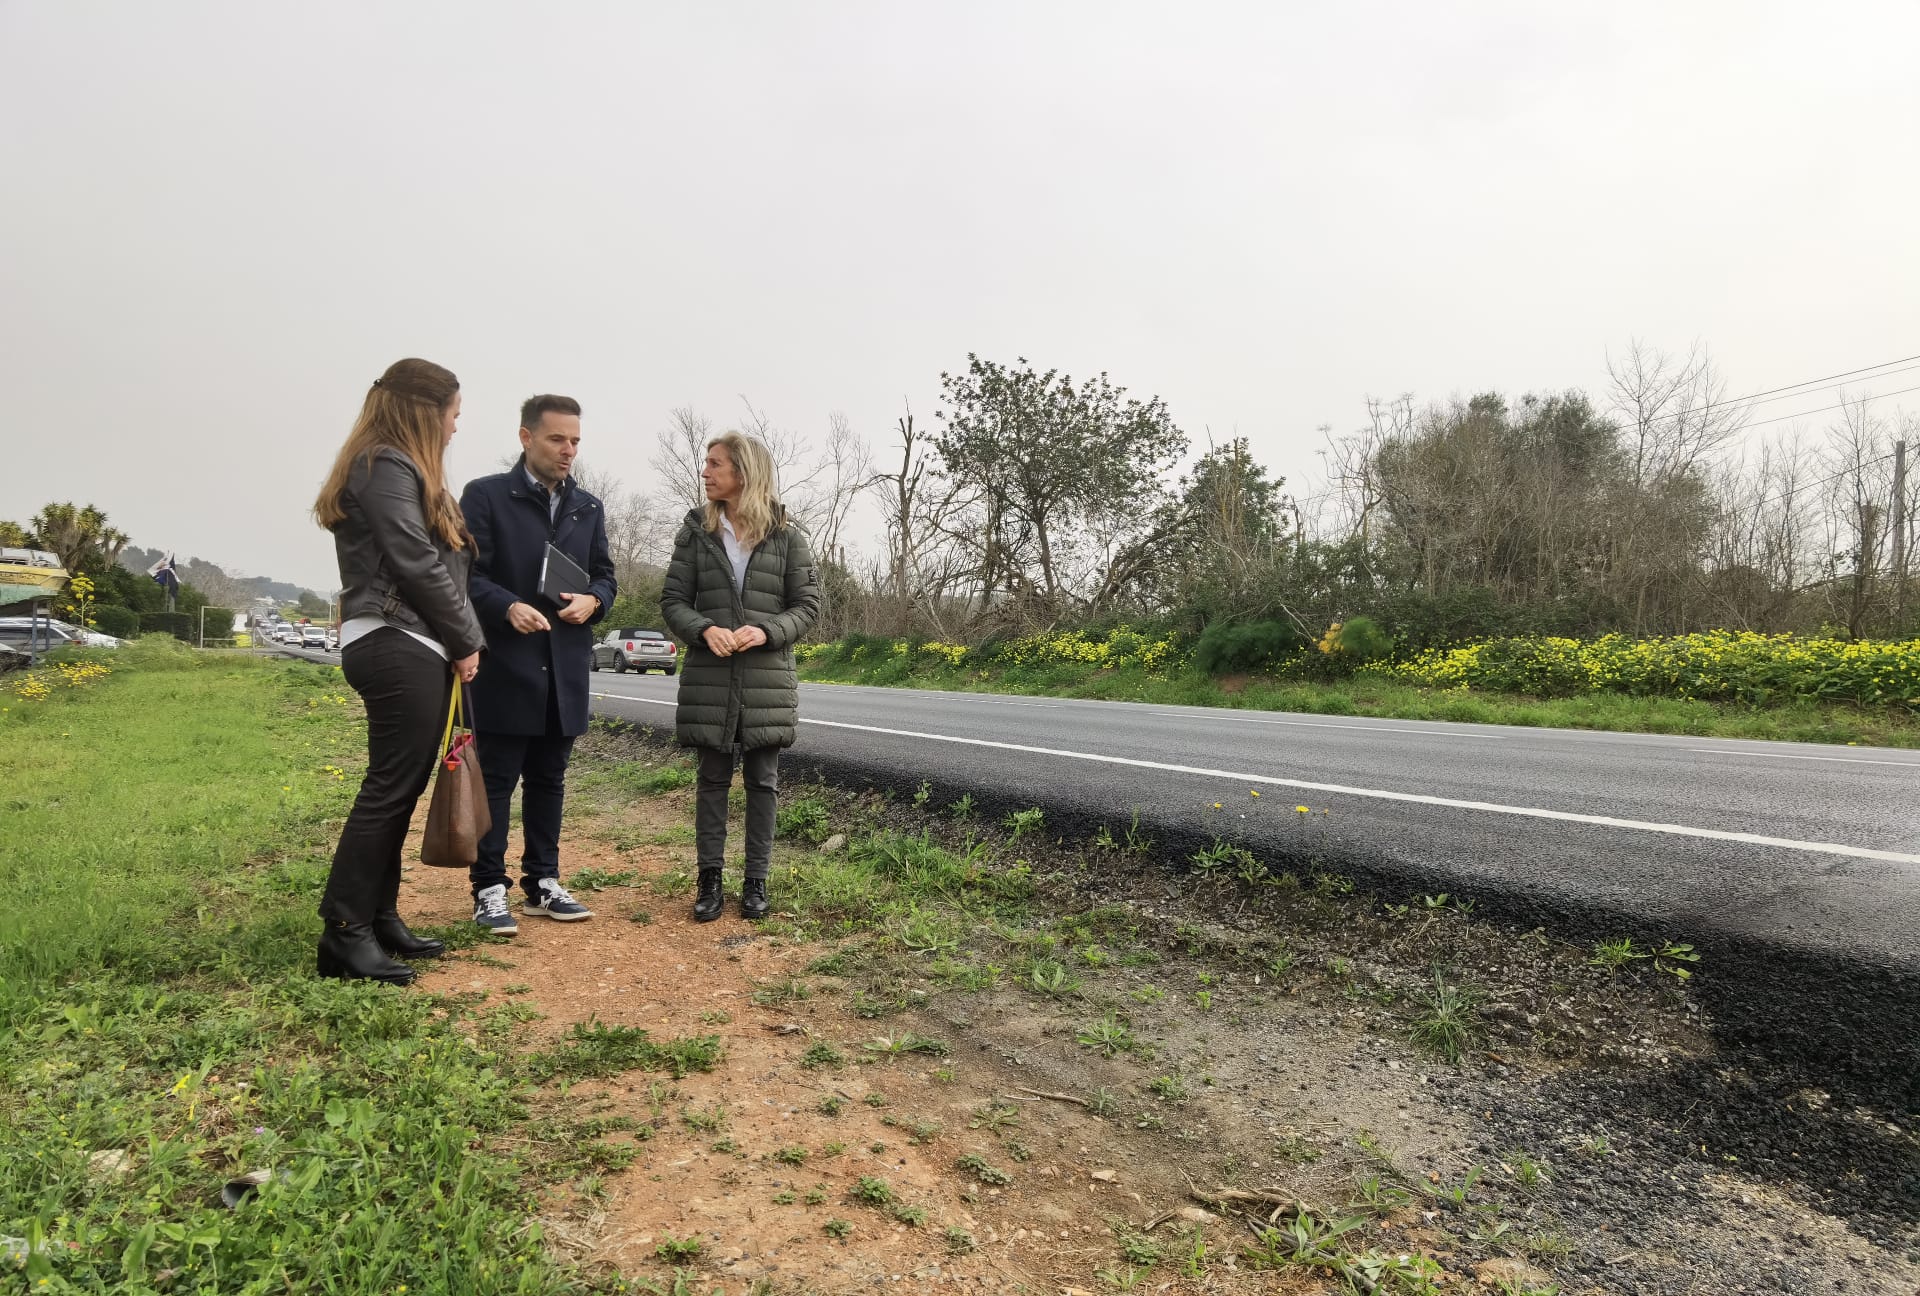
(167,827)
(1718,685)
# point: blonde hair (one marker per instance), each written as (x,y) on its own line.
(757,512)
(402,412)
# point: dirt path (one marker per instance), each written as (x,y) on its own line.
(712,1167)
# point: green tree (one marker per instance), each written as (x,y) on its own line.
(1049,459)
(13,535)
(80,536)
(1214,540)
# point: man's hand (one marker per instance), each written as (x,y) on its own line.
(526,618)
(578,608)
(719,640)
(467,667)
(748,637)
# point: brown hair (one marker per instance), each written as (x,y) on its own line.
(402,412)
(756,514)
(536,406)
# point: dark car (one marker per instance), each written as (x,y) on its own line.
(637,649)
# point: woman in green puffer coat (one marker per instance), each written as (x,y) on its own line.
(741,590)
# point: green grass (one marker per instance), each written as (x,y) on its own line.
(1798,722)
(165,836)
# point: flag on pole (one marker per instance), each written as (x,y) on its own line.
(166,578)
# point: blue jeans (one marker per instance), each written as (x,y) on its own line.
(539,766)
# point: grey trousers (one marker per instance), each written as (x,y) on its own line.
(762,779)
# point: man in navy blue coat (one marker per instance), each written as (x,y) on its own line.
(530,698)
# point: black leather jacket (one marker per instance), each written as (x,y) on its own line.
(393,565)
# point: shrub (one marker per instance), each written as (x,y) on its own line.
(177,624)
(1719,665)
(1228,648)
(1363,640)
(120,622)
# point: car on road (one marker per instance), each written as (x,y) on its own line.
(313,636)
(637,649)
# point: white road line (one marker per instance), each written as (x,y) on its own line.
(1378,794)
(1845,760)
(1324,724)
(1532,812)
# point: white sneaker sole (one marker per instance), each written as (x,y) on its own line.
(499,931)
(559,917)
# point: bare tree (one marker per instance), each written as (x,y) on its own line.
(846,466)
(1858,454)
(926,561)
(1674,410)
(680,451)
(597,482)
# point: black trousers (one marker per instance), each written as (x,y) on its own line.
(762,779)
(538,764)
(405,686)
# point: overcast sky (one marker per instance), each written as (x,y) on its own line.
(221,221)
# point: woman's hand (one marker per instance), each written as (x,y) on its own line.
(467,667)
(748,637)
(720,641)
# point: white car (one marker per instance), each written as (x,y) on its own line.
(313,636)
(18,630)
(637,649)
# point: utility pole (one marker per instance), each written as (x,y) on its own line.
(1899,529)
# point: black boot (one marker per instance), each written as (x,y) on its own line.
(392,934)
(349,952)
(396,940)
(753,899)
(706,905)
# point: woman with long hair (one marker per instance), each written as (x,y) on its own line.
(407,630)
(740,592)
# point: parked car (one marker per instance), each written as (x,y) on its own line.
(313,636)
(30,636)
(88,638)
(637,649)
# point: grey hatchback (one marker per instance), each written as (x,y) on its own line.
(636,649)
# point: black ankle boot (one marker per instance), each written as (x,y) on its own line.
(706,906)
(349,952)
(753,899)
(396,940)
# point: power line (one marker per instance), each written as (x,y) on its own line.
(1845,472)
(1811,381)
(1885,369)
(1807,390)
(1825,409)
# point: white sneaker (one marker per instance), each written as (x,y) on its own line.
(491,913)
(554,902)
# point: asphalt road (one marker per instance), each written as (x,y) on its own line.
(1814,849)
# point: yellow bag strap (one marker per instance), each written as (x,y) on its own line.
(453,712)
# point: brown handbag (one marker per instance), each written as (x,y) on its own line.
(457,817)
